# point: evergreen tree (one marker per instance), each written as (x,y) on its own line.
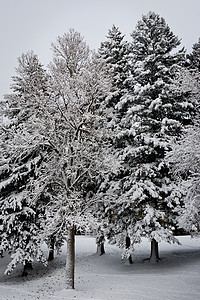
(157,114)
(20,213)
(193,59)
(115,51)
(152,114)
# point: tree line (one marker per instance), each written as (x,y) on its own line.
(105,143)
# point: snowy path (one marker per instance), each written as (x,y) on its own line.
(176,277)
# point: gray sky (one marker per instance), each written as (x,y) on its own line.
(34,24)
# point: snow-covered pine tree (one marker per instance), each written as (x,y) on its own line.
(115,51)
(20,213)
(193,67)
(156,115)
(193,59)
(152,114)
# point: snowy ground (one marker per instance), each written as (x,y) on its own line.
(175,277)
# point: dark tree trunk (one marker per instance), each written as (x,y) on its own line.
(51,249)
(128,243)
(154,252)
(27,266)
(100,245)
(102,248)
(70,259)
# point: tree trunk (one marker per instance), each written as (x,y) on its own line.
(51,249)
(100,245)
(128,243)
(70,259)
(27,266)
(154,252)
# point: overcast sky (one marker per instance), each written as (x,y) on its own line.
(34,24)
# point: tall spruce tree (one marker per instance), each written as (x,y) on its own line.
(155,116)
(115,51)
(20,213)
(152,114)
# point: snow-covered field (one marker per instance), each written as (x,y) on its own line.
(175,277)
